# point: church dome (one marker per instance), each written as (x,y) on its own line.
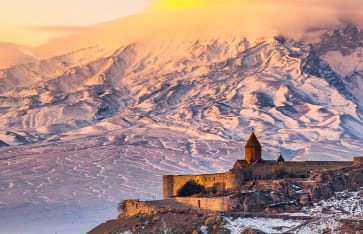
(253,141)
(280,159)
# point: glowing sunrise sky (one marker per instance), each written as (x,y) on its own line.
(22,21)
(34,22)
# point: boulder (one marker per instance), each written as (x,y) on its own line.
(210,221)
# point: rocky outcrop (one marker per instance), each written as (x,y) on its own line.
(289,195)
(265,198)
(338,180)
(171,221)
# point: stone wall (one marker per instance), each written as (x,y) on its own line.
(284,194)
(358,160)
(237,177)
(133,207)
(214,203)
(291,169)
(172,183)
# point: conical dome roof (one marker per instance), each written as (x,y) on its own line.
(253,142)
(280,159)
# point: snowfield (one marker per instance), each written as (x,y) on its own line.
(82,180)
(86,129)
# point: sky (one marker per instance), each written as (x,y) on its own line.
(33,22)
(22,21)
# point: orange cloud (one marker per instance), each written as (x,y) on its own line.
(60,29)
(264,17)
(176,4)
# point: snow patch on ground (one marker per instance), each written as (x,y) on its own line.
(204,229)
(347,204)
(325,216)
(268,225)
(319,226)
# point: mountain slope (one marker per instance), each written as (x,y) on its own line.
(219,87)
(12,54)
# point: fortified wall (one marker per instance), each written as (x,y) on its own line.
(135,206)
(210,203)
(132,207)
(239,176)
(172,183)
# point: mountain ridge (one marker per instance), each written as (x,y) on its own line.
(236,72)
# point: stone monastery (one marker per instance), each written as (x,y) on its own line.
(264,182)
(253,167)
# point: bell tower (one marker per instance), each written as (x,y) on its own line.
(253,150)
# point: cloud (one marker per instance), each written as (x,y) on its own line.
(173,4)
(59,29)
(265,17)
(214,19)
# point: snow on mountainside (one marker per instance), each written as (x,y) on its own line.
(219,88)
(105,124)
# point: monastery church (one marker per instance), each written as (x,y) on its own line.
(248,180)
(252,167)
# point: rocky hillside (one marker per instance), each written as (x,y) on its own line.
(215,223)
(327,202)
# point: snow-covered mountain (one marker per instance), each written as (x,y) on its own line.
(102,123)
(299,97)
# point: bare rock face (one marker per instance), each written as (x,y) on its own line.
(210,221)
(289,195)
(356,178)
(336,181)
(253,203)
(304,199)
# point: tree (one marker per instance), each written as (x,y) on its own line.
(121,206)
(190,188)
